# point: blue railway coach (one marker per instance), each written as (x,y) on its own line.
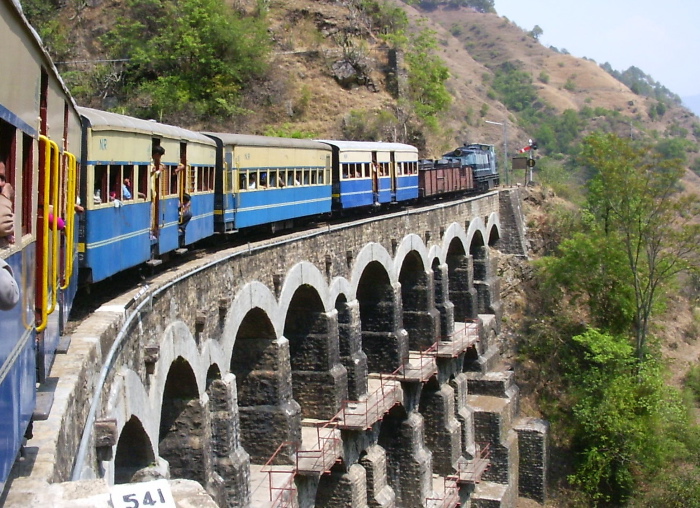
(39,135)
(132,204)
(369,173)
(267,180)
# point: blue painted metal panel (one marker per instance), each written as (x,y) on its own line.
(17,362)
(406,187)
(117,238)
(356,193)
(384,189)
(202,223)
(272,205)
(170,216)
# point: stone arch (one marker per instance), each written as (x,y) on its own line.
(420,317)
(269,415)
(213,373)
(412,245)
(253,295)
(493,230)
(319,380)
(372,253)
(134,451)
(478,250)
(303,274)
(383,339)
(183,437)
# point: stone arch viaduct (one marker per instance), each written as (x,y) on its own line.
(355,365)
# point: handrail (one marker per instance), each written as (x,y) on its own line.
(43,233)
(55,233)
(328,444)
(70,219)
(286,487)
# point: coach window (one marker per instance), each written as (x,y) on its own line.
(142,178)
(173,178)
(100,192)
(115,182)
(27,183)
(8,157)
(127,187)
(209,178)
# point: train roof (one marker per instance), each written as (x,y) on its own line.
(370,146)
(104,121)
(253,140)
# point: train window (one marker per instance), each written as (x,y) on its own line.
(173,178)
(210,179)
(142,181)
(272,179)
(115,182)
(127,187)
(305,177)
(100,193)
(321,178)
(27,184)
(7,160)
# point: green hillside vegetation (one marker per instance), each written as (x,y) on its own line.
(592,339)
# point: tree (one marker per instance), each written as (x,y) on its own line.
(634,195)
(189,55)
(536,32)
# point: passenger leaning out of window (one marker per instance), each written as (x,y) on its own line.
(7,217)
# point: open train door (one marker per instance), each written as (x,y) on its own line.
(156,171)
(392,173)
(375,179)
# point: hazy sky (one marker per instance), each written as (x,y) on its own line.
(662,38)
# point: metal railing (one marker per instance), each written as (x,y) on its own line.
(449,497)
(329,449)
(363,413)
(458,341)
(472,470)
(281,495)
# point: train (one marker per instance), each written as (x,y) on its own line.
(96,193)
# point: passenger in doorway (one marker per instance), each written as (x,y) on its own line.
(157,154)
(9,290)
(185,212)
(185,217)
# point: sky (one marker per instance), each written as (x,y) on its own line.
(662,38)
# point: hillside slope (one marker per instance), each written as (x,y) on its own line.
(300,94)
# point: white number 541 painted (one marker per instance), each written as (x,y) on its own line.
(142,495)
